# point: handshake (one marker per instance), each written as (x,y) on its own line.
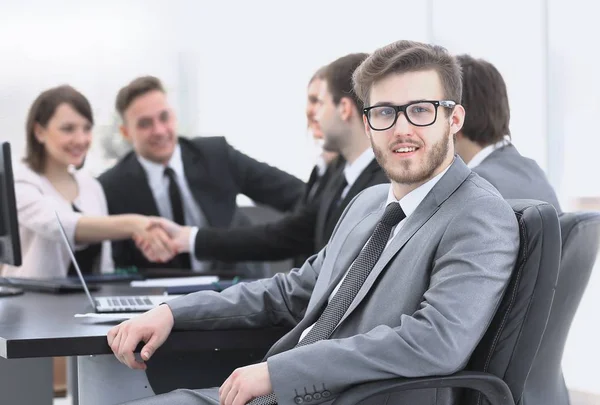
(160,239)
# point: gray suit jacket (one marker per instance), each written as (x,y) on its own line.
(421,311)
(516,176)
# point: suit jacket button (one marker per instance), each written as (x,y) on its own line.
(326,394)
(317,395)
(298,400)
(308,398)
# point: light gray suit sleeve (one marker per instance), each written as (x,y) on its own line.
(472,266)
(280,300)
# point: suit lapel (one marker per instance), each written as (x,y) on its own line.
(351,246)
(327,199)
(201,185)
(362,182)
(453,178)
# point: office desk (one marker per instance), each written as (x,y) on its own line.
(35,327)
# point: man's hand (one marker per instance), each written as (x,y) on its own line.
(155,244)
(152,327)
(179,236)
(245,384)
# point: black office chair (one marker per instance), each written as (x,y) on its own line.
(580,242)
(498,369)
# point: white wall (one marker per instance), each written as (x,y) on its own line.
(240,69)
(255,62)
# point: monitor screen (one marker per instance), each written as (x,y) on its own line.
(10,245)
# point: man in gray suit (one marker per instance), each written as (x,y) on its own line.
(409,281)
(484,140)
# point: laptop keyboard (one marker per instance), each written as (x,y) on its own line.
(128,301)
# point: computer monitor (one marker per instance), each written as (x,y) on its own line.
(10,244)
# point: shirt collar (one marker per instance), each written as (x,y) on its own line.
(411,201)
(321,165)
(353,170)
(155,171)
(485,152)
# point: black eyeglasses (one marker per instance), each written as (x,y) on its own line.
(419,113)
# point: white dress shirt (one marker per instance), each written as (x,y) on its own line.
(485,152)
(409,204)
(321,165)
(353,170)
(159,184)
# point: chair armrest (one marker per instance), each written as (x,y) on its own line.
(493,388)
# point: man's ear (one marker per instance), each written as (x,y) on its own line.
(346,108)
(457,119)
(124,132)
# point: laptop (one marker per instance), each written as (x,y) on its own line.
(113,304)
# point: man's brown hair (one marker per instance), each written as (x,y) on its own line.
(41,112)
(409,56)
(338,75)
(485,100)
(137,88)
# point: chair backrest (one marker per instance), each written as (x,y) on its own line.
(580,242)
(509,346)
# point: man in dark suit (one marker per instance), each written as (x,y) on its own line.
(307,230)
(484,141)
(190,181)
(320,173)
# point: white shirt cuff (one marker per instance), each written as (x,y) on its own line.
(192,240)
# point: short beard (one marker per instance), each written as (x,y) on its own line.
(403,174)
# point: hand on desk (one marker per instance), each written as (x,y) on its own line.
(245,384)
(152,327)
(162,233)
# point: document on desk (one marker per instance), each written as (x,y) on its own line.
(92,317)
(175,282)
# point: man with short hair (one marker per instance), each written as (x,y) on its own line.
(484,141)
(320,174)
(406,286)
(193,182)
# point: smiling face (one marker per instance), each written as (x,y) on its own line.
(149,124)
(66,137)
(411,155)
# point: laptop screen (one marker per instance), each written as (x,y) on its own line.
(75,264)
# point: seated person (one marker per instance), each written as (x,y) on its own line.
(411,277)
(307,230)
(319,175)
(190,181)
(59,134)
(484,140)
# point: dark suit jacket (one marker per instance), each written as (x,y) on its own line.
(516,176)
(302,233)
(216,174)
(316,184)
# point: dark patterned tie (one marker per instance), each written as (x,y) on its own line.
(358,273)
(178,212)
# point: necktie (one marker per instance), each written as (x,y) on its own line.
(177,210)
(175,197)
(358,273)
